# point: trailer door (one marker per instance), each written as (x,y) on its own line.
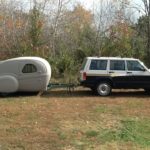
(29,78)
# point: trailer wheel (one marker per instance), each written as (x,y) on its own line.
(4,94)
(104,89)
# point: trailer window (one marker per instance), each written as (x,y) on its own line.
(29,68)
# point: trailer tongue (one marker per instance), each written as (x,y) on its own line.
(69,86)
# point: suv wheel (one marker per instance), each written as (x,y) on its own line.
(147,91)
(104,89)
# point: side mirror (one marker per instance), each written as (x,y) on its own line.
(143,69)
(140,69)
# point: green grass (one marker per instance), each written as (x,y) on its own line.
(91,133)
(137,132)
(115,110)
(130,128)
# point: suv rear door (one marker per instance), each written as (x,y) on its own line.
(29,76)
(97,69)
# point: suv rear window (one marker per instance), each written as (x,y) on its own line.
(98,65)
(83,64)
(117,65)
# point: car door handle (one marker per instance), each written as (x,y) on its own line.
(111,72)
(129,72)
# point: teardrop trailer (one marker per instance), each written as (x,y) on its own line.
(27,74)
(100,74)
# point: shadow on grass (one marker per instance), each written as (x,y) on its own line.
(80,93)
(19,94)
(128,94)
(88,93)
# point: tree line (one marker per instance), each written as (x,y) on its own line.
(65,32)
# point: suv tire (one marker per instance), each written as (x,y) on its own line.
(147,91)
(103,89)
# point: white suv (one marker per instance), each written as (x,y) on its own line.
(101,74)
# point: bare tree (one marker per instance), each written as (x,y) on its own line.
(14,26)
(143,9)
(147,13)
(107,14)
(59,7)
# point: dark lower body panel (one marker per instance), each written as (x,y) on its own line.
(124,82)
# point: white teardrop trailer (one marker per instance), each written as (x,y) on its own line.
(25,74)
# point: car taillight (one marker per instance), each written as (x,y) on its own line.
(84,75)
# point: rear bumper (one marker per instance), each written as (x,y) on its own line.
(86,84)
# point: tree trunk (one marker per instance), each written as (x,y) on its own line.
(148,35)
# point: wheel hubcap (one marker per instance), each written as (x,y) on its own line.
(104,89)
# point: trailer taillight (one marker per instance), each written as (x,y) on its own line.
(84,75)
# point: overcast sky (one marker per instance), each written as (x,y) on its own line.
(134,3)
(89,3)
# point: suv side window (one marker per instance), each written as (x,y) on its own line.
(98,65)
(117,65)
(134,65)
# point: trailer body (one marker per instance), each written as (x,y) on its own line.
(27,74)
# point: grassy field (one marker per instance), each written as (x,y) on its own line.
(78,121)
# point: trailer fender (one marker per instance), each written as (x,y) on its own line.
(8,84)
